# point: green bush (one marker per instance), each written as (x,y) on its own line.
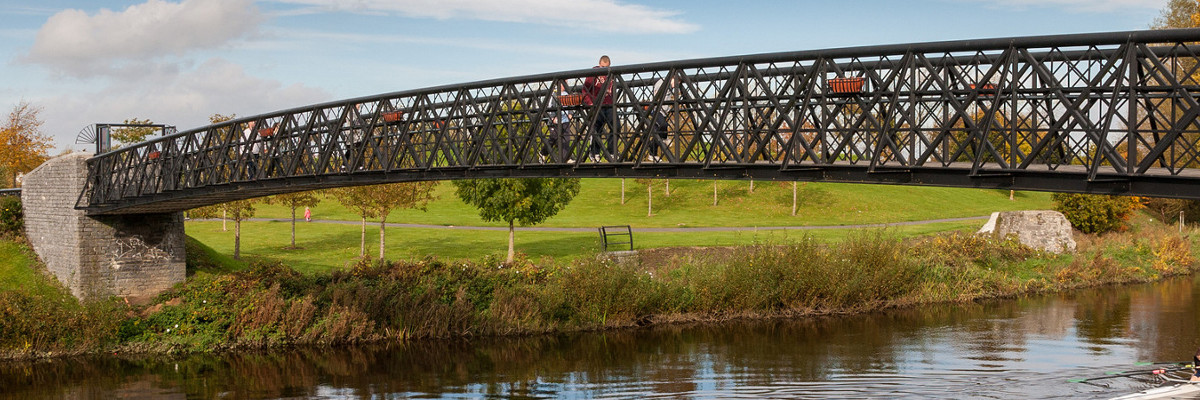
(1095,213)
(12,221)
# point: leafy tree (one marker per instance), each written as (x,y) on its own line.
(1091,213)
(1167,210)
(357,198)
(23,147)
(131,135)
(527,201)
(385,198)
(294,201)
(649,193)
(238,210)
(209,212)
(1178,14)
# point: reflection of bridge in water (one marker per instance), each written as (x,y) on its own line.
(1098,113)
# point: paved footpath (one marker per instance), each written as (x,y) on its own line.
(644,230)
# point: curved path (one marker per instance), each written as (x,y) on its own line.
(641,230)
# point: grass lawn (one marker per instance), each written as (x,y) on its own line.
(329,246)
(690,205)
(18,274)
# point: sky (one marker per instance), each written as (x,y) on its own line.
(177,62)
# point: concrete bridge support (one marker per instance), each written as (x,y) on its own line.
(131,256)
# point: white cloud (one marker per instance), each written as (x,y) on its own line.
(1099,6)
(134,40)
(592,15)
(185,100)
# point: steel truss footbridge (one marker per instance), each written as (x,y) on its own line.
(1111,113)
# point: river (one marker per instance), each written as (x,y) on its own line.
(1013,348)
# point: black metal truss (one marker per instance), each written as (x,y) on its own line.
(1111,113)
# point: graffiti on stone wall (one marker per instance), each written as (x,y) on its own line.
(134,248)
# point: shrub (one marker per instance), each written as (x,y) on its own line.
(1095,213)
(12,221)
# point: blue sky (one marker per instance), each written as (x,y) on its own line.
(179,61)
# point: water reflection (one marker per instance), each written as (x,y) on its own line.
(1024,347)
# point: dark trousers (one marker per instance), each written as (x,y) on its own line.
(658,127)
(252,161)
(559,143)
(604,122)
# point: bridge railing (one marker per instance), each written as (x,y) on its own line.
(1107,105)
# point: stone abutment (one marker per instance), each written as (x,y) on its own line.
(131,256)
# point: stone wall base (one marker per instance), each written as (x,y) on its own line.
(135,257)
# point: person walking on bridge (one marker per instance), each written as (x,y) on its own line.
(600,89)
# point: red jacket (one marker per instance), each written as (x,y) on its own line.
(592,89)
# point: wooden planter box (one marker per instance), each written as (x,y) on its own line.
(154,155)
(846,85)
(985,90)
(267,132)
(570,100)
(393,116)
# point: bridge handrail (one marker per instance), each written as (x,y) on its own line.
(993,44)
(447,116)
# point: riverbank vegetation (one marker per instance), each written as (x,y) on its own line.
(225,304)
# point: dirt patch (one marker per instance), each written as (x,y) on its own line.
(158,307)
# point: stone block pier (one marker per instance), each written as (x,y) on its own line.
(131,256)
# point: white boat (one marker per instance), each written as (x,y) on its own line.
(1177,391)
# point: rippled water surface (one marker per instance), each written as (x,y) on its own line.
(1017,348)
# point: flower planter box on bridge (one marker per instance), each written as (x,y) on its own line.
(393,116)
(571,100)
(154,155)
(267,132)
(851,85)
(986,90)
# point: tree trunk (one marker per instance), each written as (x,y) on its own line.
(511,239)
(382,221)
(293,227)
(622,191)
(649,200)
(237,239)
(793,198)
(362,244)
(714,193)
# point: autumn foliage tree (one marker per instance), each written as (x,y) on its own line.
(524,201)
(22,145)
